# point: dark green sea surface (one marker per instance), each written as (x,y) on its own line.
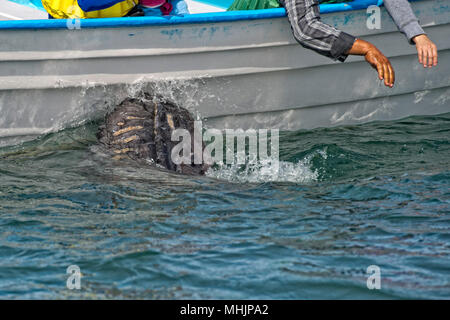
(343,199)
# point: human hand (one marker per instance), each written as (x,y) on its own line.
(382,64)
(426,50)
(376,59)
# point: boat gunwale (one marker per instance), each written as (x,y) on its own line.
(199,18)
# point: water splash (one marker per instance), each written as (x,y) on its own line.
(183,92)
(268,170)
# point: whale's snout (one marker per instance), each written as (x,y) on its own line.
(142,130)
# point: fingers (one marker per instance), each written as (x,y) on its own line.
(419,54)
(386,75)
(426,51)
(384,68)
(391,74)
(424,57)
(380,71)
(428,55)
(435,55)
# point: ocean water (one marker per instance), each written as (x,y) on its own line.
(343,199)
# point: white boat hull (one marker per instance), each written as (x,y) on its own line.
(239,74)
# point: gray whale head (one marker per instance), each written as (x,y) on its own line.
(141,129)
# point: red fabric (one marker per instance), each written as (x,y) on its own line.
(152,3)
(166,8)
(164,5)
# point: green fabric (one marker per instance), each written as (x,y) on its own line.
(266,4)
(253,4)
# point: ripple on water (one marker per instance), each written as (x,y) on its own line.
(339,200)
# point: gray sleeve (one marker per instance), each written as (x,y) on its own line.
(404,18)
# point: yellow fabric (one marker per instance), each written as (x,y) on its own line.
(69,9)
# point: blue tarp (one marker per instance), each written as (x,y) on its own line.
(37,4)
(218,3)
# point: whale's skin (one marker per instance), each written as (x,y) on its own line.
(141,129)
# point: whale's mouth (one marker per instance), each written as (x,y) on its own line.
(143,129)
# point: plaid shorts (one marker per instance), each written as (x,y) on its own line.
(311,33)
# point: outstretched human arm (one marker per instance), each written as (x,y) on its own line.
(313,34)
(403,16)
